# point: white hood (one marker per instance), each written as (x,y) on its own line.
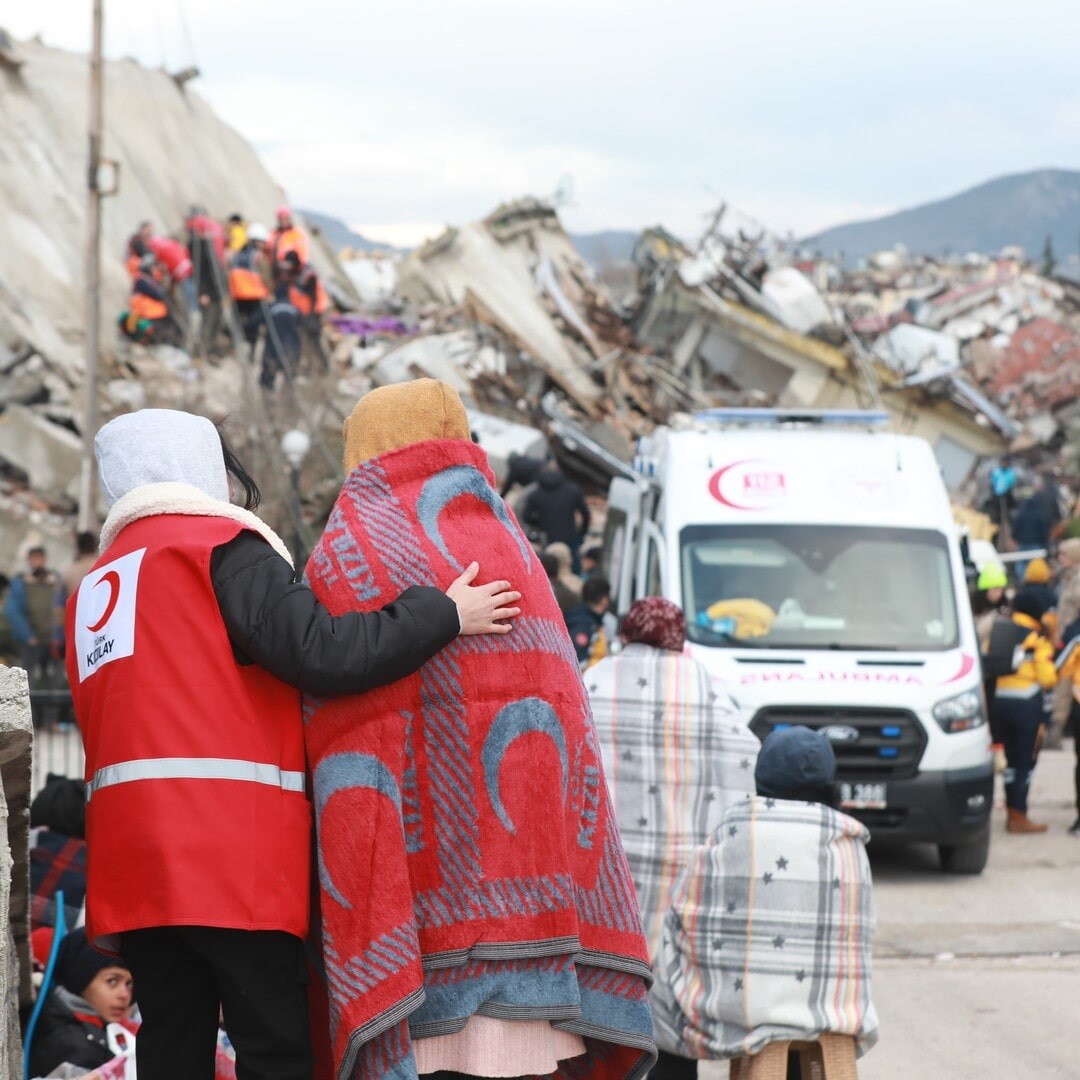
(155,446)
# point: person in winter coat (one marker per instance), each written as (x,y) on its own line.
(676,756)
(557,508)
(585,621)
(188,645)
(564,597)
(90,991)
(566,573)
(468,858)
(768,935)
(30,608)
(1018,715)
(1068,612)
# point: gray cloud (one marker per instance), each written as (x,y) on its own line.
(804,114)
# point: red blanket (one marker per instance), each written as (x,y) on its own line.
(465,837)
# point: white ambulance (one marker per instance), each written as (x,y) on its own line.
(817,561)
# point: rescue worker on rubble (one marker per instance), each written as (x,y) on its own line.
(281,351)
(137,246)
(148,318)
(288,236)
(190,641)
(206,242)
(307,295)
(237,230)
(249,273)
(175,258)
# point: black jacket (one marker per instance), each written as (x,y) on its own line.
(583,623)
(278,623)
(68,1030)
(554,507)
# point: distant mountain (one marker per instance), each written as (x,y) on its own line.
(604,248)
(1021,209)
(339,235)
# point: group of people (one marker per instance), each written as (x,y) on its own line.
(256,284)
(1029,638)
(33,621)
(491,829)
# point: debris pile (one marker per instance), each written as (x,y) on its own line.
(976,354)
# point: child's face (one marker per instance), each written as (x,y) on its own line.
(110,993)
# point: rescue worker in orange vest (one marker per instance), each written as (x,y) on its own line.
(248,284)
(307,295)
(148,318)
(138,245)
(189,644)
(285,238)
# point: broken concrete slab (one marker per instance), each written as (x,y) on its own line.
(492,268)
(48,454)
(16,747)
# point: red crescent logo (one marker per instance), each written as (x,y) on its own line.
(716,487)
(112,578)
(967,664)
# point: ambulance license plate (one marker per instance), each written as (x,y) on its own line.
(862,796)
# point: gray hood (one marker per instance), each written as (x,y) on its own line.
(155,446)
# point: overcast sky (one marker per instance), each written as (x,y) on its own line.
(400,117)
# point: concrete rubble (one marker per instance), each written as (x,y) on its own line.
(16,743)
(977,354)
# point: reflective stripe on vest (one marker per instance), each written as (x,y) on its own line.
(180,768)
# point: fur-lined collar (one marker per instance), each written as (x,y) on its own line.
(149,500)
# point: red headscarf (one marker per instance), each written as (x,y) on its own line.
(652,620)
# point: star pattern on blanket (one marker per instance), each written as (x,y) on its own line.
(770,804)
(781,863)
(767,876)
(653,789)
(733,830)
(800,975)
(778,941)
(642,682)
(627,755)
(643,821)
(738,984)
(717,943)
(744,764)
(731,907)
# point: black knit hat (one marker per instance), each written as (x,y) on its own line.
(78,962)
(796,763)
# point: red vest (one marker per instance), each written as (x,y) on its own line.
(196,812)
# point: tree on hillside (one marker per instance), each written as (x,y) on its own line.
(1048,260)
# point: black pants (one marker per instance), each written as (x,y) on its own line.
(672,1067)
(1019,720)
(184,974)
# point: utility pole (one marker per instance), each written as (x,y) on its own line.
(88,486)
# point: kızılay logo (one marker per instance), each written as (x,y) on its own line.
(753,484)
(105,613)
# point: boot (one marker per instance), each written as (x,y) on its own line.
(1019,822)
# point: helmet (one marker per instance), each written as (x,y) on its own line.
(257,232)
(284,214)
(992,576)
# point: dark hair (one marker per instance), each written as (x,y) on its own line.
(86,543)
(550,565)
(595,553)
(252,495)
(37,549)
(594,590)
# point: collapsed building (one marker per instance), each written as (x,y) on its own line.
(546,355)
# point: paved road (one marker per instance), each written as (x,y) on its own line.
(977,978)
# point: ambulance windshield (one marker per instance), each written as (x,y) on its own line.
(818,587)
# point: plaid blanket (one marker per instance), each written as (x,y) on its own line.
(768,935)
(469,861)
(56,862)
(676,755)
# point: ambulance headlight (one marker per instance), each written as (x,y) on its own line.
(961,713)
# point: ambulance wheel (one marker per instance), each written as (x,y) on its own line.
(967,858)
